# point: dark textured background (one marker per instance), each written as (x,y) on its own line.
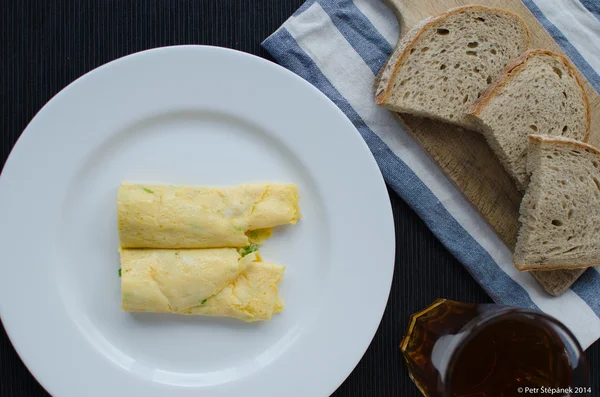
(46,45)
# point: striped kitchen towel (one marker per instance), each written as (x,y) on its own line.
(340,45)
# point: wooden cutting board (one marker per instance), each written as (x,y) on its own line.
(466,158)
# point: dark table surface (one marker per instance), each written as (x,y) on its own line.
(46,45)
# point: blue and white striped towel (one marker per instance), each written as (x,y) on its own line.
(340,45)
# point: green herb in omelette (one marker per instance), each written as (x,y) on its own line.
(203,301)
(147,190)
(249,249)
(119,272)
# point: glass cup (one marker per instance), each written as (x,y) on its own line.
(455,349)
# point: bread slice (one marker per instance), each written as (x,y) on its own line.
(560,213)
(446,62)
(538,93)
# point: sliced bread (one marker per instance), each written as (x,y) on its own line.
(446,62)
(560,213)
(538,93)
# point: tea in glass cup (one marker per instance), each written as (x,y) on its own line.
(455,349)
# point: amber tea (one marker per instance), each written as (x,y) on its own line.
(455,349)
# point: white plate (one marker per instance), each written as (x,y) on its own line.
(197,116)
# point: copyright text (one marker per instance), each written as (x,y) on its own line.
(554,390)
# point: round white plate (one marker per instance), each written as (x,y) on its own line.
(190,115)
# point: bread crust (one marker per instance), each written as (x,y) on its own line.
(383,86)
(513,69)
(564,141)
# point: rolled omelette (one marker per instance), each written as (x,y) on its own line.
(162,216)
(253,296)
(211,282)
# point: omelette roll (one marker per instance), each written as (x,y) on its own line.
(252,296)
(172,281)
(161,216)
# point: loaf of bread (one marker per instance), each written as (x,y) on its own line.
(560,212)
(538,93)
(446,62)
